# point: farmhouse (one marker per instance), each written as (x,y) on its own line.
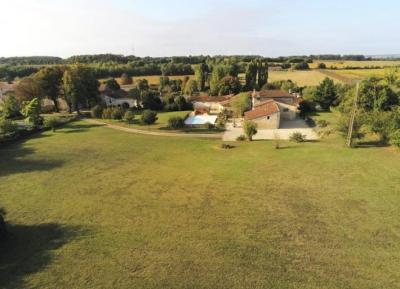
(207,108)
(211,104)
(116,97)
(269,107)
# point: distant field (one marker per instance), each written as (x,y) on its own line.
(343,64)
(352,75)
(302,78)
(314,77)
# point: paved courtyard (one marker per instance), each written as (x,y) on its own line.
(284,132)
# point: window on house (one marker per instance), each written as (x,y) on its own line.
(268,117)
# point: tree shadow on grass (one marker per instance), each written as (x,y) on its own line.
(78,128)
(371,144)
(13,160)
(28,249)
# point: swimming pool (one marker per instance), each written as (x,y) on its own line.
(200,119)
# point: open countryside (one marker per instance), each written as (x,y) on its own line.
(153,144)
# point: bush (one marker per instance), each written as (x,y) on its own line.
(226,146)
(176,122)
(321,65)
(126,79)
(96,111)
(129,116)
(250,129)
(52,122)
(302,66)
(8,127)
(242,137)
(117,113)
(148,117)
(107,112)
(395,138)
(297,137)
(322,123)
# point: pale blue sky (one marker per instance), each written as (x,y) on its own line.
(177,27)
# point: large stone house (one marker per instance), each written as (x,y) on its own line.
(211,104)
(117,98)
(269,107)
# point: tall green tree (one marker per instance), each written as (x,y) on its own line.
(262,73)
(201,72)
(325,94)
(217,75)
(190,87)
(377,95)
(80,87)
(112,84)
(251,75)
(49,82)
(241,103)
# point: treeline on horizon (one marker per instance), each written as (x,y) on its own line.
(114,65)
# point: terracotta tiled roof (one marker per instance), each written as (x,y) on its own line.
(263,109)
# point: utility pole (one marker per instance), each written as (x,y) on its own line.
(349,141)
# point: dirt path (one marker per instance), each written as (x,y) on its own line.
(337,76)
(155,133)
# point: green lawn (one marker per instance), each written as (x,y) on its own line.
(91,207)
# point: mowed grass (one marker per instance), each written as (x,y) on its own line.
(90,207)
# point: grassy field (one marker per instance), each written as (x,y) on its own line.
(302,78)
(90,207)
(344,64)
(314,77)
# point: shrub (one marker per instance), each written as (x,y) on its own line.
(96,111)
(241,138)
(8,127)
(322,123)
(126,79)
(129,116)
(117,113)
(148,117)
(31,111)
(395,138)
(226,146)
(52,122)
(107,112)
(176,122)
(297,137)
(250,129)
(277,140)
(302,66)
(321,65)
